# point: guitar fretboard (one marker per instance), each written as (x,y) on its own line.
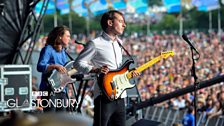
(151,62)
(145,66)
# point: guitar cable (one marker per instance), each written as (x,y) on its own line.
(100,109)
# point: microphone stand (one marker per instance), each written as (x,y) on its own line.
(196,83)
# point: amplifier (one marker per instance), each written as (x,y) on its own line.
(16,92)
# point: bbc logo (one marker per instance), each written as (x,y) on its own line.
(39,93)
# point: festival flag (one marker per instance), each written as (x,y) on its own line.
(63,6)
(79,7)
(206,5)
(50,8)
(140,6)
(117,4)
(172,5)
(99,7)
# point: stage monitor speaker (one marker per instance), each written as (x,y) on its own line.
(144,122)
(133,92)
(133,96)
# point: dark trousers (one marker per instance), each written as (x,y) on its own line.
(109,113)
(54,102)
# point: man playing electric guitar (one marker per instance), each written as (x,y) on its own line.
(105,54)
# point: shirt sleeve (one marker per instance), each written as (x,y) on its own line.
(82,62)
(43,60)
(192,122)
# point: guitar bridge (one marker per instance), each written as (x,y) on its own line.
(112,95)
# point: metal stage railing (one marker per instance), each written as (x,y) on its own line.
(174,94)
(168,117)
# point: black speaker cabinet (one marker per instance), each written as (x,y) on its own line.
(18,89)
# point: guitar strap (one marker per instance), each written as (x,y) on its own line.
(70,57)
(125,50)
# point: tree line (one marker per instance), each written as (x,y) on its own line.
(192,19)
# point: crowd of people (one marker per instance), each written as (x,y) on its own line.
(175,72)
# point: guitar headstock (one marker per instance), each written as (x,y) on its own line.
(167,54)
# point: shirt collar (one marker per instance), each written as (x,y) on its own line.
(107,37)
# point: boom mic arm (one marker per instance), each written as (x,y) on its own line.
(80,43)
(184,36)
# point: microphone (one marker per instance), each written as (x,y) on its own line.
(84,77)
(184,36)
(80,43)
(78,77)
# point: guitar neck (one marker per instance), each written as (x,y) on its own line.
(71,72)
(144,66)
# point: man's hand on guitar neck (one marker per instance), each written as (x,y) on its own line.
(135,73)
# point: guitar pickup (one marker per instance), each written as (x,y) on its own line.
(112,85)
(51,81)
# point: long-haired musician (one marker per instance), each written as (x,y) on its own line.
(53,56)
